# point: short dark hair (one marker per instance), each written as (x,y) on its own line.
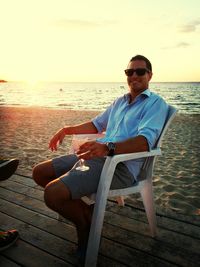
(140,57)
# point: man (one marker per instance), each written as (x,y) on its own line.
(132,124)
(7,168)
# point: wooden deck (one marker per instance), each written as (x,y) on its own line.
(45,241)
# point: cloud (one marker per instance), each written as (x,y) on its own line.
(190,27)
(182,44)
(73,23)
(178,45)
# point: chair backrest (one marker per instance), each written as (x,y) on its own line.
(170,116)
(147,168)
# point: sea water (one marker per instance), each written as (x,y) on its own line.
(94,96)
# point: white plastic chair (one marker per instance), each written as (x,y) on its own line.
(144,186)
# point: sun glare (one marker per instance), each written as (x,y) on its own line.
(32,82)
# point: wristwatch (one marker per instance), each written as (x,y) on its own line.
(111,148)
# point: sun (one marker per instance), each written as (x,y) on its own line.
(32,82)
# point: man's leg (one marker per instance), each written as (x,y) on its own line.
(57,197)
(46,171)
(63,195)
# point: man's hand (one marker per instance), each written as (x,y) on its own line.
(57,139)
(92,149)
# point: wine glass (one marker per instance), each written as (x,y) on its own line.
(76,143)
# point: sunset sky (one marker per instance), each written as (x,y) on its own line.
(93,40)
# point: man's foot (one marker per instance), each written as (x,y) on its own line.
(7,168)
(83,235)
(80,255)
(8,238)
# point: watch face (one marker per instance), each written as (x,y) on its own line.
(111,148)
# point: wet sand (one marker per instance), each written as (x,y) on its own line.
(25,133)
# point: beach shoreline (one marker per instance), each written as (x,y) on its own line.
(26,131)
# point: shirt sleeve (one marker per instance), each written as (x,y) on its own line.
(153,121)
(101,120)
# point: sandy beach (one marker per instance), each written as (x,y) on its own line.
(25,133)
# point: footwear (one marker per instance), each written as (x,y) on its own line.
(8,238)
(7,168)
(81,254)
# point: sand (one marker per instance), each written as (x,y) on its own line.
(25,133)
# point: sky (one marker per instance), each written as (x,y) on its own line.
(93,40)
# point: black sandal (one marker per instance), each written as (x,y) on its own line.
(8,238)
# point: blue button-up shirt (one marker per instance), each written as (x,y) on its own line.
(122,120)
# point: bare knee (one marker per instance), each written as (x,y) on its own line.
(56,194)
(43,173)
(37,174)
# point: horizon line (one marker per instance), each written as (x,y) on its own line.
(25,81)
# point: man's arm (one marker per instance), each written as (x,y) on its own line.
(94,149)
(131,145)
(84,128)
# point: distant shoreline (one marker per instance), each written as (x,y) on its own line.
(152,82)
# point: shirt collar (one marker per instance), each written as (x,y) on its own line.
(146,93)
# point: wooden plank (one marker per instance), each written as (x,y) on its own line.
(26,201)
(163,221)
(45,241)
(138,227)
(170,220)
(173,238)
(130,239)
(125,228)
(23,189)
(52,225)
(61,249)
(160,249)
(193,219)
(5,262)
(24,180)
(43,222)
(131,203)
(47,224)
(27,255)
(132,257)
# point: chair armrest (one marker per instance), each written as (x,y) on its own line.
(110,165)
(124,157)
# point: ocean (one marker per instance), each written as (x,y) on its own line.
(94,96)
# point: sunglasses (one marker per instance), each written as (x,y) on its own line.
(139,72)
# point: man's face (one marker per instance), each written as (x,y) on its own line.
(136,83)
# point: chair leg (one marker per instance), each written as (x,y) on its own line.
(95,233)
(147,197)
